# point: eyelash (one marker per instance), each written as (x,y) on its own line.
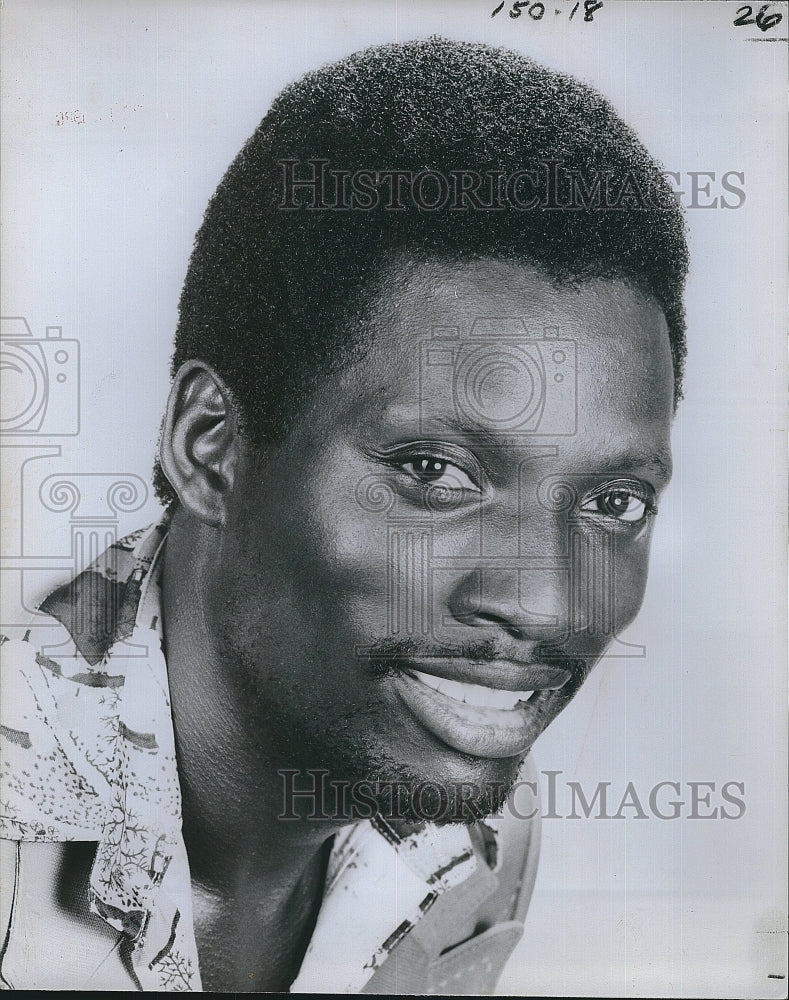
(631,488)
(446,464)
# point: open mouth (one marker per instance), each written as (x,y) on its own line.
(473,694)
(480,720)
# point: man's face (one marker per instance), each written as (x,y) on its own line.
(461,517)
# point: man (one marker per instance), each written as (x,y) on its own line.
(429,349)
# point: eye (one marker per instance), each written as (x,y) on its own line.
(621,502)
(429,470)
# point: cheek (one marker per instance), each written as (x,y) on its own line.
(338,554)
(629,580)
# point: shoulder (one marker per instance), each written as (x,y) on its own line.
(59,695)
(55,738)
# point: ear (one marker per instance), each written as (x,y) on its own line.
(200,446)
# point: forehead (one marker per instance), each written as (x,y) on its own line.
(619,350)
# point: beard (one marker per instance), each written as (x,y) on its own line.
(356,783)
(347,768)
(346,772)
(405,798)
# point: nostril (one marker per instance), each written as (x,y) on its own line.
(537,609)
(508,626)
(538,628)
(481,618)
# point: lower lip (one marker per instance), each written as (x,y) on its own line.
(479,732)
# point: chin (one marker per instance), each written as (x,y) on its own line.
(463,790)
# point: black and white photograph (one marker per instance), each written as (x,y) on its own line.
(393,450)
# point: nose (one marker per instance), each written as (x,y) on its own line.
(533,603)
(538,575)
(557,584)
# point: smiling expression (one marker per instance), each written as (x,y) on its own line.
(417,581)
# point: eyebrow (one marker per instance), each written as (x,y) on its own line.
(658,461)
(493,437)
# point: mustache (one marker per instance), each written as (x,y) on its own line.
(387,655)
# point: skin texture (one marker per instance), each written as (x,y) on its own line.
(280,570)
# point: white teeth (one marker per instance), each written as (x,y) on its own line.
(474,694)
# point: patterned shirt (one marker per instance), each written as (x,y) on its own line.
(88,753)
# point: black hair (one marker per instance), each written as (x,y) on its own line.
(281,272)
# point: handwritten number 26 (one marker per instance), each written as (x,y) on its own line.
(762,20)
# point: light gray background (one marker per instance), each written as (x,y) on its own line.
(99,213)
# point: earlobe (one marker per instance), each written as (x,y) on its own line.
(198,449)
